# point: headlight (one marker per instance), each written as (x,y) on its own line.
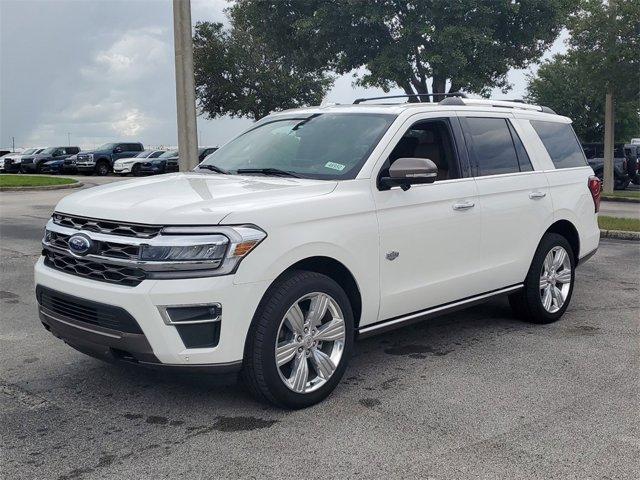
(195,248)
(17,160)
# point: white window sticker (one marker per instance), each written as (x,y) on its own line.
(335,166)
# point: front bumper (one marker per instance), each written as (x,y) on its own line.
(122,168)
(165,347)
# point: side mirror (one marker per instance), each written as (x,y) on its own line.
(405,172)
(117,150)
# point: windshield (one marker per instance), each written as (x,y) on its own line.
(325,146)
(107,146)
(49,151)
(29,151)
(170,153)
(144,154)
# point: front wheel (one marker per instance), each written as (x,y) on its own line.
(102,169)
(300,341)
(549,284)
(135,170)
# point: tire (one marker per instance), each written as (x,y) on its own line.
(38,168)
(102,168)
(135,170)
(528,303)
(286,385)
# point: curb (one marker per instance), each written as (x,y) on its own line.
(77,184)
(620,199)
(620,234)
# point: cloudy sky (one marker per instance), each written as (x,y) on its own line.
(103,71)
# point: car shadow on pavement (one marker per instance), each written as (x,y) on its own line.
(436,337)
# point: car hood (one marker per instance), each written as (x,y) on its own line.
(128,159)
(188,198)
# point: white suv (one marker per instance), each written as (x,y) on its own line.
(317,226)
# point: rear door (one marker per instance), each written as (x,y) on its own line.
(514,199)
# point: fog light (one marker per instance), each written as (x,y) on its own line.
(190,314)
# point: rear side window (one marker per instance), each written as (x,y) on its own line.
(561,143)
(523,158)
(491,146)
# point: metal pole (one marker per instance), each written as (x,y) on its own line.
(608,143)
(13,144)
(185,86)
(69,139)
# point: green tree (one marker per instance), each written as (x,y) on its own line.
(605,53)
(564,84)
(283,53)
(237,76)
(466,44)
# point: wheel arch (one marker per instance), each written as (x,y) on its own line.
(568,230)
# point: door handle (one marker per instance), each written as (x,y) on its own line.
(463,206)
(535,195)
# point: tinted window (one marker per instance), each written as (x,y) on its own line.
(156,154)
(561,143)
(72,150)
(490,144)
(523,157)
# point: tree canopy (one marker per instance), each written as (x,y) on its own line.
(604,55)
(237,76)
(282,53)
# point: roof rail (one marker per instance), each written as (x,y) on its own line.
(415,95)
(516,104)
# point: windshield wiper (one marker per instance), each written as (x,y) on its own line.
(268,171)
(213,168)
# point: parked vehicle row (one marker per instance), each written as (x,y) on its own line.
(120,158)
(626,162)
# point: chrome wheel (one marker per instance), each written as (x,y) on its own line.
(555,279)
(310,342)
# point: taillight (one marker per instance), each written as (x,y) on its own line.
(595,189)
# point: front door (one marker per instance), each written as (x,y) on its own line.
(429,234)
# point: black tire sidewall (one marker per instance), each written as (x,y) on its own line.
(99,169)
(532,283)
(272,314)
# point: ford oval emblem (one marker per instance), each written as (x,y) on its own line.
(80,244)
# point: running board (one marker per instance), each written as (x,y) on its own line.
(404,320)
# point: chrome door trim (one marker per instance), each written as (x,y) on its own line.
(439,310)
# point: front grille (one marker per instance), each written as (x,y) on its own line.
(106,226)
(105,249)
(104,272)
(87,311)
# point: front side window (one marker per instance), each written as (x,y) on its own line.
(561,143)
(331,146)
(430,139)
(490,145)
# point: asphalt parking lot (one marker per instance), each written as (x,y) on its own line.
(475,394)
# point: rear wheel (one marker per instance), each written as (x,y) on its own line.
(549,283)
(300,341)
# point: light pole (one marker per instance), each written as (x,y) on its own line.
(68,139)
(185,86)
(13,144)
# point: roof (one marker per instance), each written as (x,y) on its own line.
(448,104)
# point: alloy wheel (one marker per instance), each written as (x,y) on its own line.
(310,342)
(555,279)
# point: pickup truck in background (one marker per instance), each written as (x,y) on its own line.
(625,162)
(100,161)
